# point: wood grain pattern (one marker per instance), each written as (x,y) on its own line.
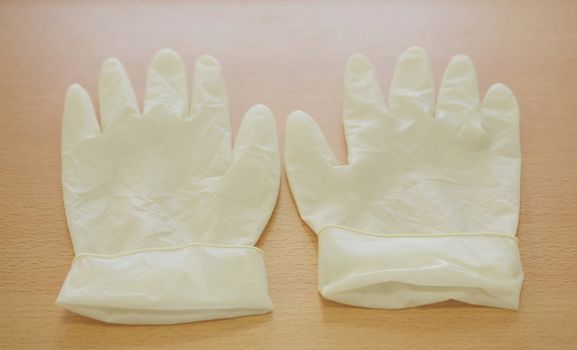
(289,56)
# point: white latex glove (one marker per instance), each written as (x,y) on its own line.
(163,212)
(427,208)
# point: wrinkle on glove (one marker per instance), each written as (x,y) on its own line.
(417,165)
(139,185)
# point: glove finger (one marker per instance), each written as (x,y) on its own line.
(210,115)
(501,120)
(251,184)
(209,92)
(307,150)
(459,93)
(257,137)
(412,90)
(117,99)
(364,108)
(166,92)
(309,164)
(79,120)
(363,97)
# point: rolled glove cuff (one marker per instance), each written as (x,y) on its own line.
(195,282)
(397,271)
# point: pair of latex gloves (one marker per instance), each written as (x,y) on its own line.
(164,212)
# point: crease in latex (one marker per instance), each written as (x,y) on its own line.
(159,249)
(413,235)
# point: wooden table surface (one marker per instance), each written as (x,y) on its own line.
(288,56)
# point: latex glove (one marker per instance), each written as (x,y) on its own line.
(162,212)
(427,208)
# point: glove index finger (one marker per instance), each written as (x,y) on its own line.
(208,89)
(79,120)
(210,115)
(363,96)
(117,99)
